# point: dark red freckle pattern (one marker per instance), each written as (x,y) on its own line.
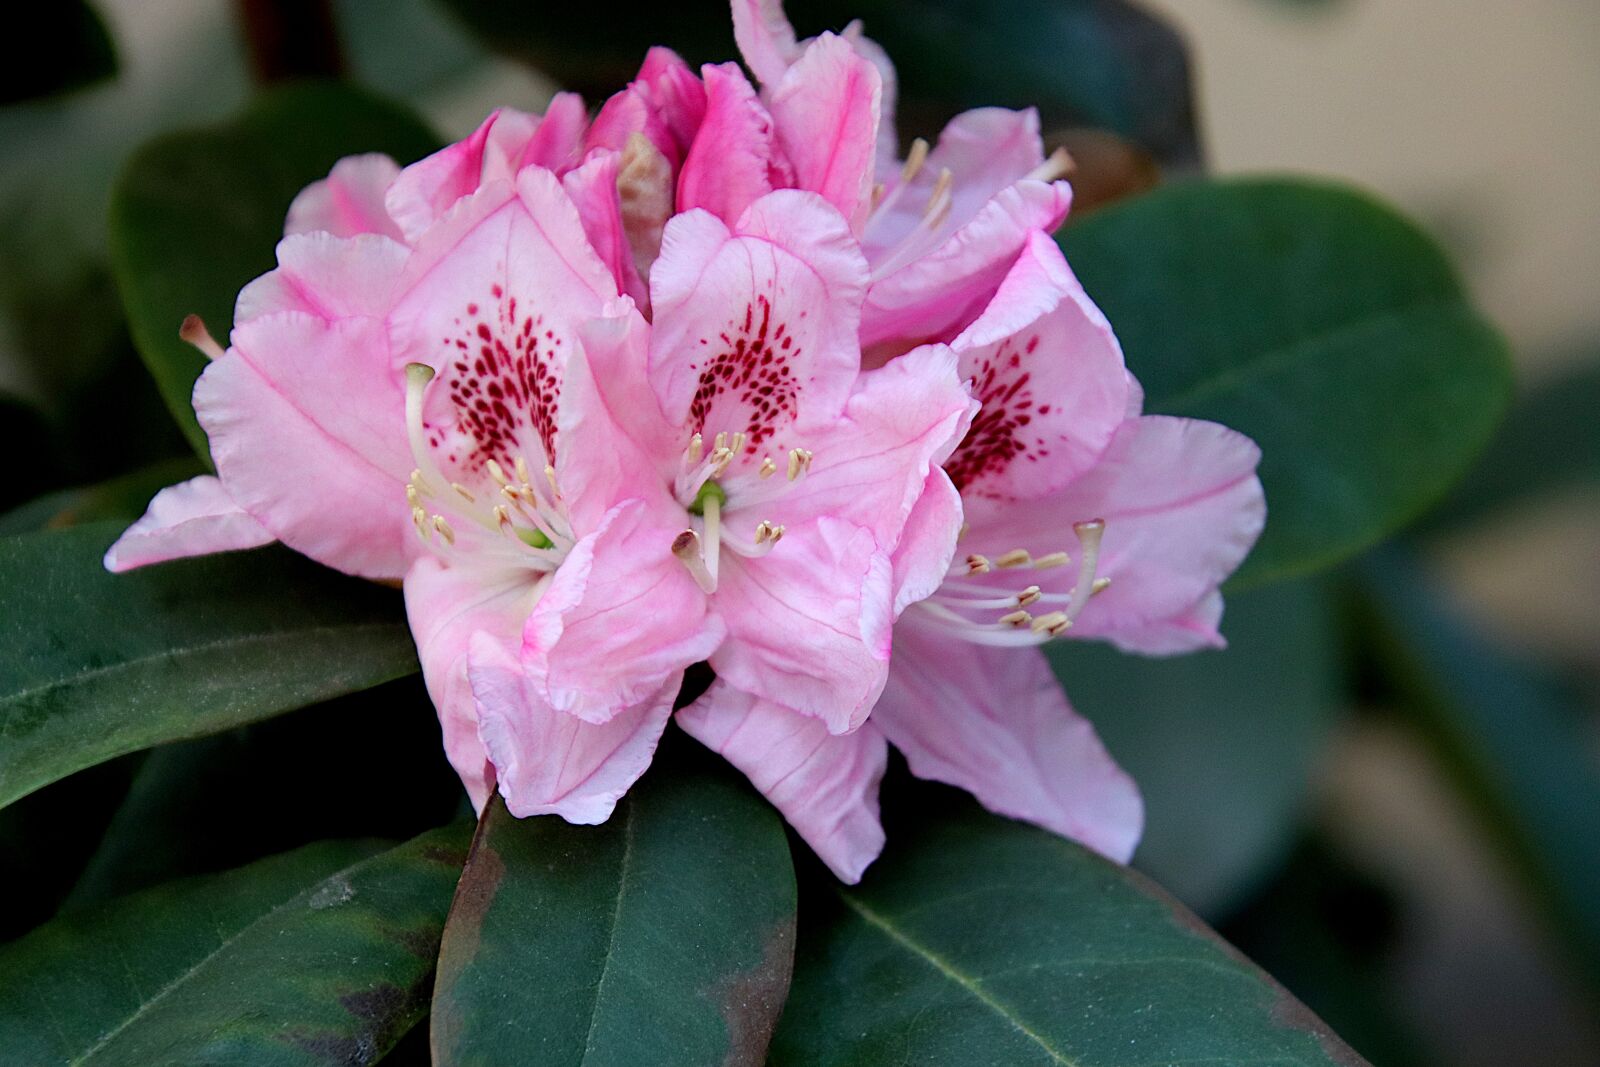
(753,367)
(503,377)
(1000,433)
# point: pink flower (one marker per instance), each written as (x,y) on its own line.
(1082,517)
(450,380)
(595,393)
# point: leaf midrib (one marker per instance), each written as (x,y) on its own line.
(19,696)
(966,982)
(198,965)
(611,940)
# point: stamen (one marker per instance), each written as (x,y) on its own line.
(194,332)
(737,444)
(767,468)
(1017,557)
(498,473)
(915,158)
(1089,534)
(522,471)
(1018,619)
(550,476)
(1054,559)
(686,546)
(1100,586)
(1059,165)
(1029,595)
(696,448)
(977,564)
(444,529)
(466,494)
(1056,622)
(712,516)
(799,462)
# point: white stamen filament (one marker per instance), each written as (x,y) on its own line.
(1059,165)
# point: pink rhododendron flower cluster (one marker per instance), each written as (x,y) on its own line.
(715,376)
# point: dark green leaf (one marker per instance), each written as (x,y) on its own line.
(169,827)
(196,215)
(1316,321)
(1103,63)
(977,941)
(23,430)
(1221,743)
(320,956)
(93,664)
(64,46)
(1517,742)
(664,936)
(122,498)
(1550,442)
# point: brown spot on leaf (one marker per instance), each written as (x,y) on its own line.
(475,892)
(752,1000)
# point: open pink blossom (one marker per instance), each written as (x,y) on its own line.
(450,379)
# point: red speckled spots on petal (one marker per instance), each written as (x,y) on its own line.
(503,378)
(749,383)
(1000,433)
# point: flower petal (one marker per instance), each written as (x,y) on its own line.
(666,104)
(593,189)
(826,112)
(327,276)
(447,606)
(491,301)
(928,543)
(621,617)
(1181,504)
(994,722)
(871,466)
(986,150)
(551,763)
(825,785)
(1048,373)
(192,518)
(765,38)
(755,328)
(733,161)
(350,200)
(931,295)
(307,425)
(808,623)
(1188,631)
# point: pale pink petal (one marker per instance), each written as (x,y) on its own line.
(826,113)
(446,607)
(1048,372)
(755,329)
(551,763)
(1189,631)
(491,302)
(765,38)
(808,623)
(1182,507)
(430,187)
(994,722)
(872,465)
(307,425)
(593,189)
(888,149)
(934,290)
(985,150)
(825,785)
(192,518)
(350,200)
(620,618)
(733,160)
(928,544)
(326,276)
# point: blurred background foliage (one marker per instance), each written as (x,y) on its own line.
(1387,791)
